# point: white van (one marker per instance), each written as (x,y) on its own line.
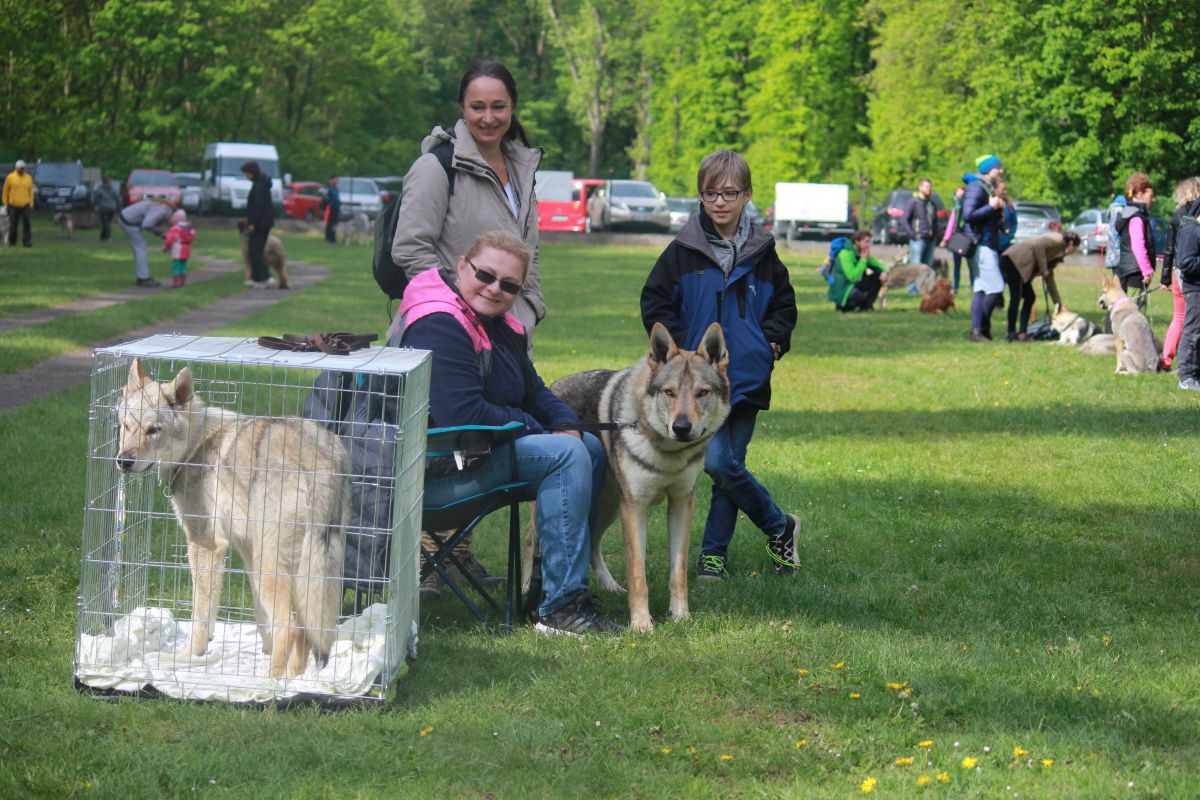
(223,187)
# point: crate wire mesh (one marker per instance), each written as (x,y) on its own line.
(136,607)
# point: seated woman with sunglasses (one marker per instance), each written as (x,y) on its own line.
(482,375)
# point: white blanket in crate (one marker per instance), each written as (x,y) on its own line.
(145,650)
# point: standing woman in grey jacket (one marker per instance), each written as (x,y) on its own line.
(493,168)
(492,191)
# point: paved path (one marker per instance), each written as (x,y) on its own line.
(75,368)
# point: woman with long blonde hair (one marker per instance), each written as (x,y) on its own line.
(1186,193)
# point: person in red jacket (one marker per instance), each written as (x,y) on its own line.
(178,242)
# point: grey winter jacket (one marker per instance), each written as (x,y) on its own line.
(434,228)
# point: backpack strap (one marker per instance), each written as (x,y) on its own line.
(444,153)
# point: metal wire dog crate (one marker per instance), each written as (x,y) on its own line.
(277,446)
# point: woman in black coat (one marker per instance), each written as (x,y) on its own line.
(260,216)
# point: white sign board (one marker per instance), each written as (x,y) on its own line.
(812,202)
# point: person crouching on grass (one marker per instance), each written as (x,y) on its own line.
(179,242)
(723,268)
(857,276)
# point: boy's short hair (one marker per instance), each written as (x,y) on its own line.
(861,236)
(723,164)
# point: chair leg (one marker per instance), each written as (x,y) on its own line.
(512,595)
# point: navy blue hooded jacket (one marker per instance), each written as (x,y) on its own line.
(983,219)
(687,291)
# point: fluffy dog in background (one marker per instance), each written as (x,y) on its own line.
(940,300)
(273,252)
(1137,351)
(65,223)
(900,275)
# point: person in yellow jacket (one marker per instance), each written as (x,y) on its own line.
(18,199)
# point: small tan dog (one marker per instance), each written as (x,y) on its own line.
(65,223)
(940,300)
(274,253)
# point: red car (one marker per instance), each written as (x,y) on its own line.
(302,200)
(143,184)
(562,201)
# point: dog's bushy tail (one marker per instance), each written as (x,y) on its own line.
(319,576)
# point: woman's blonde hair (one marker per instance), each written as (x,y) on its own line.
(1188,191)
(505,242)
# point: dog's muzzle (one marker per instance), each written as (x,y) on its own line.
(681,429)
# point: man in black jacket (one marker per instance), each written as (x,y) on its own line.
(922,224)
(260,216)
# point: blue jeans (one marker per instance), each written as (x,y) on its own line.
(565,476)
(920,251)
(734,487)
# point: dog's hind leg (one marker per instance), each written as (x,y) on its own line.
(680,512)
(318,591)
(604,579)
(206,561)
(633,525)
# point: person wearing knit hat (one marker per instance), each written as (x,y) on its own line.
(982,213)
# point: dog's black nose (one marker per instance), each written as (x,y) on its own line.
(681,427)
(125,463)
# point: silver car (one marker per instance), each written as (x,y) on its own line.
(682,209)
(1032,222)
(1092,228)
(189,189)
(629,204)
(359,194)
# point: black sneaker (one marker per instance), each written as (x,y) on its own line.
(782,547)
(711,567)
(476,571)
(576,618)
(147,283)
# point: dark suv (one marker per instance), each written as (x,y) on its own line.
(61,187)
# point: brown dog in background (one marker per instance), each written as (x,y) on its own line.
(940,300)
(273,252)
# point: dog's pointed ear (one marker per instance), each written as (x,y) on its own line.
(178,392)
(662,346)
(137,378)
(713,348)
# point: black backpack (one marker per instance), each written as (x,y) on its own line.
(388,274)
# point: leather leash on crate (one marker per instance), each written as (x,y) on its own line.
(335,344)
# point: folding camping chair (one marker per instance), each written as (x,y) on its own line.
(453,449)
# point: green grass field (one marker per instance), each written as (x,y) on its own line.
(998,596)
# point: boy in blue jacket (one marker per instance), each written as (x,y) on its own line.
(723,268)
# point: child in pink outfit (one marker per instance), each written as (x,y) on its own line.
(179,241)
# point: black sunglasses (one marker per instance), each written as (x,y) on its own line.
(487,279)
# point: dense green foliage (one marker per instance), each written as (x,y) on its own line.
(1072,94)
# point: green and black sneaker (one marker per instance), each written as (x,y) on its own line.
(711,567)
(782,547)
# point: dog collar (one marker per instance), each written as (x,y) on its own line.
(1122,301)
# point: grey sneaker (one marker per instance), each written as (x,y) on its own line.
(711,567)
(576,618)
(476,571)
(1190,384)
(782,547)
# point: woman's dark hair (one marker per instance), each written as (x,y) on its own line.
(482,68)
(252,167)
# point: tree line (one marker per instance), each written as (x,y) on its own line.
(1071,94)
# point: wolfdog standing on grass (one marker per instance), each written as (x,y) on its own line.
(667,407)
(278,489)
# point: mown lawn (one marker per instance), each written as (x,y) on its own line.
(999,584)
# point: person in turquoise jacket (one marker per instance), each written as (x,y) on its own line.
(858,276)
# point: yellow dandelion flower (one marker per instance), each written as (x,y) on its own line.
(801,744)
(1020,752)
(666,751)
(802,672)
(943,777)
(691,751)
(633,645)
(427,731)
(923,780)
(855,695)
(969,763)
(904,761)
(1107,640)
(1047,762)
(838,665)
(927,743)
(868,785)
(726,757)
(894,686)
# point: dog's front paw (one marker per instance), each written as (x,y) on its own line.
(641,624)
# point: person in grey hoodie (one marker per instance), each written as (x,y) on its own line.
(493,186)
(106,203)
(437,223)
(144,215)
